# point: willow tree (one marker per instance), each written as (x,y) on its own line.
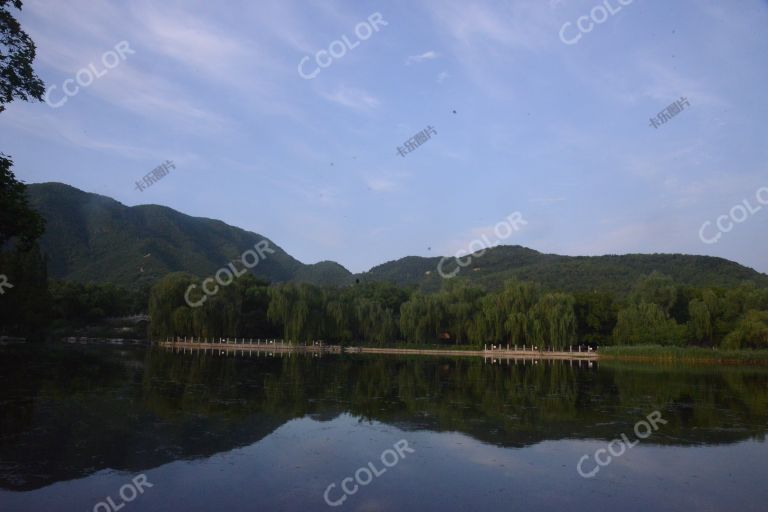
(165,297)
(460,305)
(488,324)
(298,308)
(376,323)
(254,294)
(421,318)
(553,321)
(518,299)
(700,323)
(340,323)
(751,332)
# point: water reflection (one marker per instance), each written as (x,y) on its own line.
(71,412)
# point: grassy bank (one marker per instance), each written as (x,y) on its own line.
(683,354)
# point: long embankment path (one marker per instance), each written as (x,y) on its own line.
(281,346)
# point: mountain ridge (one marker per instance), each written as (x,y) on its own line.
(91,237)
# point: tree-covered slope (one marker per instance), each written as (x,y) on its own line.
(94,238)
(615,273)
(90,237)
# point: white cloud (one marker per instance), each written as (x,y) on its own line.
(381,185)
(352,98)
(415,59)
(483,37)
(195,43)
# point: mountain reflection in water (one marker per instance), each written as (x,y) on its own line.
(72,412)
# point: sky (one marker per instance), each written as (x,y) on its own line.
(524,113)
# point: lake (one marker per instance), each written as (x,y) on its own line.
(90,428)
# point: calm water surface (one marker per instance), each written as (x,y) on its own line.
(213,432)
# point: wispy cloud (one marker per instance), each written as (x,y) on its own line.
(484,36)
(223,84)
(57,130)
(546,201)
(352,98)
(415,59)
(381,184)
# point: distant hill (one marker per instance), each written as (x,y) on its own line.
(90,237)
(616,273)
(94,238)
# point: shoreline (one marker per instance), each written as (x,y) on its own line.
(686,355)
(639,354)
(711,361)
(276,346)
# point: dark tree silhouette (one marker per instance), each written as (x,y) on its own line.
(17,51)
(17,219)
(17,81)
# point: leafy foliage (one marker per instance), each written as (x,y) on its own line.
(646,324)
(24,307)
(17,219)
(521,313)
(17,51)
(615,274)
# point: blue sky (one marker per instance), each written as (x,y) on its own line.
(558,132)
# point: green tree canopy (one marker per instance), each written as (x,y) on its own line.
(17,51)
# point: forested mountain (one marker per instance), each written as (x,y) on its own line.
(614,273)
(92,238)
